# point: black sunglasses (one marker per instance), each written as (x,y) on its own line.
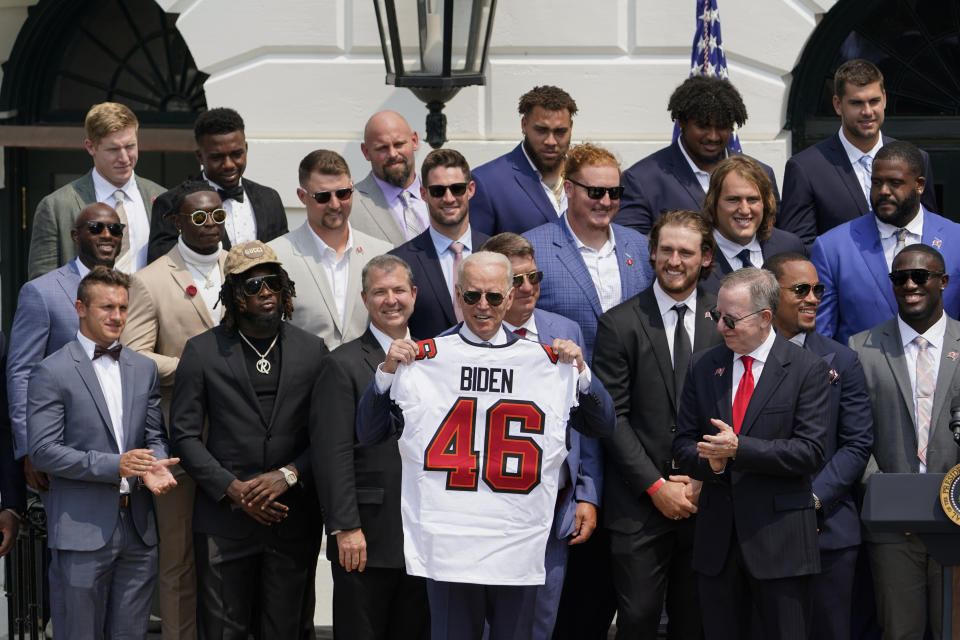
(596,193)
(803,289)
(323,197)
(533,277)
(730,321)
(919,276)
(115,228)
(437,190)
(199,217)
(253,286)
(494,299)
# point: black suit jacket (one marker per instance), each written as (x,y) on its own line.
(267,210)
(632,360)
(212,385)
(13,488)
(764,496)
(780,241)
(358,486)
(433,312)
(821,190)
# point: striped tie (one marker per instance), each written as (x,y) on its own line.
(925,386)
(867,163)
(411,223)
(124,260)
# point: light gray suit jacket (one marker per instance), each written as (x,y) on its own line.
(50,243)
(314,308)
(71,438)
(372,215)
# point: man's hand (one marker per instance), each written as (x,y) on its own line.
(352,546)
(568,352)
(159,479)
(274,511)
(38,480)
(692,490)
(9,526)
(136,462)
(402,351)
(584,523)
(264,489)
(672,498)
(719,448)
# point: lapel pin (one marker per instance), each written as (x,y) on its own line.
(359,249)
(834,376)
(191,290)
(629,262)
(953,355)
(937,242)
(706,315)
(719,371)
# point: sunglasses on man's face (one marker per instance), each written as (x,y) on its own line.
(596,193)
(115,228)
(494,299)
(729,321)
(533,277)
(919,276)
(253,286)
(802,290)
(199,217)
(323,197)
(438,190)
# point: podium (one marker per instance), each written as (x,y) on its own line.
(901,502)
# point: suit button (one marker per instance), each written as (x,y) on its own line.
(268,437)
(673,428)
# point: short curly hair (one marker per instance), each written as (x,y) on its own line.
(548,97)
(708,99)
(185,189)
(588,155)
(216,122)
(751,171)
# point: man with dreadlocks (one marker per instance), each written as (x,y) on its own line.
(677,176)
(256,519)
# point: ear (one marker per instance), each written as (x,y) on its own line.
(89,146)
(836,105)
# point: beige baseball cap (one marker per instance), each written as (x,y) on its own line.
(247,255)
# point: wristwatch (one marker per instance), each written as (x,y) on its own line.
(289,476)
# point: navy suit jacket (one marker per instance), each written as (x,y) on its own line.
(567,288)
(849,260)
(509,196)
(764,497)
(849,441)
(433,312)
(821,190)
(662,181)
(779,242)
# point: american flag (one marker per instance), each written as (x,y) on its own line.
(707,58)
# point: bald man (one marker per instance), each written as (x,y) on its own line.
(388,204)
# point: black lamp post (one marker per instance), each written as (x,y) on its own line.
(445,42)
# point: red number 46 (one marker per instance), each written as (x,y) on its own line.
(511,464)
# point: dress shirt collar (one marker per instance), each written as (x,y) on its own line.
(392,192)
(217,186)
(442,243)
(730,248)
(327,253)
(914,227)
(105,189)
(530,325)
(498,339)
(81,268)
(666,304)
(607,248)
(89,345)
(762,353)
(383,339)
(854,154)
(934,335)
(703,177)
(800,339)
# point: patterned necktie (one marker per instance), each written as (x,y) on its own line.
(744,391)
(901,241)
(113,352)
(457,249)
(411,222)
(681,349)
(744,258)
(521,331)
(124,260)
(925,386)
(867,163)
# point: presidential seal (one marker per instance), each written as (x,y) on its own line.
(950,494)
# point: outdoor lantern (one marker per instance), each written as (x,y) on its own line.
(435,47)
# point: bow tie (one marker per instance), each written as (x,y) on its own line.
(113,352)
(233,193)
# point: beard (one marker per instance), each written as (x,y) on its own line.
(902,214)
(539,163)
(397,174)
(265,320)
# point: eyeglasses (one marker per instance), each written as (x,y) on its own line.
(199,217)
(115,228)
(803,289)
(919,276)
(323,197)
(533,277)
(437,190)
(253,286)
(596,193)
(729,321)
(494,299)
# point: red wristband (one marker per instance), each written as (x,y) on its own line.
(656,486)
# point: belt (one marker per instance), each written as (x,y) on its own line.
(124,500)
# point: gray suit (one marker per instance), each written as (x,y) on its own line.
(315,309)
(98,559)
(903,592)
(372,215)
(50,243)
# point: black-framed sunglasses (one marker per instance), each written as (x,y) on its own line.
(115,228)
(323,197)
(919,276)
(729,321)
(596,193)
(533,277)
(802,289)
(494,299)
(438,190)
(199,217)
(253,286)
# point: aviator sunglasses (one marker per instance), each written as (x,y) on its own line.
(199,217)
(596,193)
(115,228)
(919,276)
(729,321)
(803,289)
(494,299)
(533,277)
(253,286)
(437,190)
(323,197)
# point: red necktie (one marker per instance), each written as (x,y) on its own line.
(522,332)
(744,391)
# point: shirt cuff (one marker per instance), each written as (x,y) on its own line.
(382,379)
(585,380)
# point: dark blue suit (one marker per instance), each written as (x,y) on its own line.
(509,196)
(433,312)
(821,190)
(778,242)
(662,181)
(849,260)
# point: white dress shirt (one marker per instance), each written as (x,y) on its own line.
(666,304)
(730,249)
(336,269)
(854,155)
(935,336)
(530,325)
(205,269)
(703,177)
(888,236)
(138,218)
(241,224)
(760,356)
(392,195)
(602,266)
(442,245)
(383,339)
(558,205)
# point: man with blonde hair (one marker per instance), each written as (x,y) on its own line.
(111,141)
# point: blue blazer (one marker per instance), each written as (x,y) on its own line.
(433,312)
(567,288)
(509,196)
(662,181)
(779,242)
(849,261)
(46,319)
(71,438)
(821,190)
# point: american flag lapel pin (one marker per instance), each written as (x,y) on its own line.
(953,355)
(937,242)
(719,371)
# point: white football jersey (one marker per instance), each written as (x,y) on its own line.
(482,446)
